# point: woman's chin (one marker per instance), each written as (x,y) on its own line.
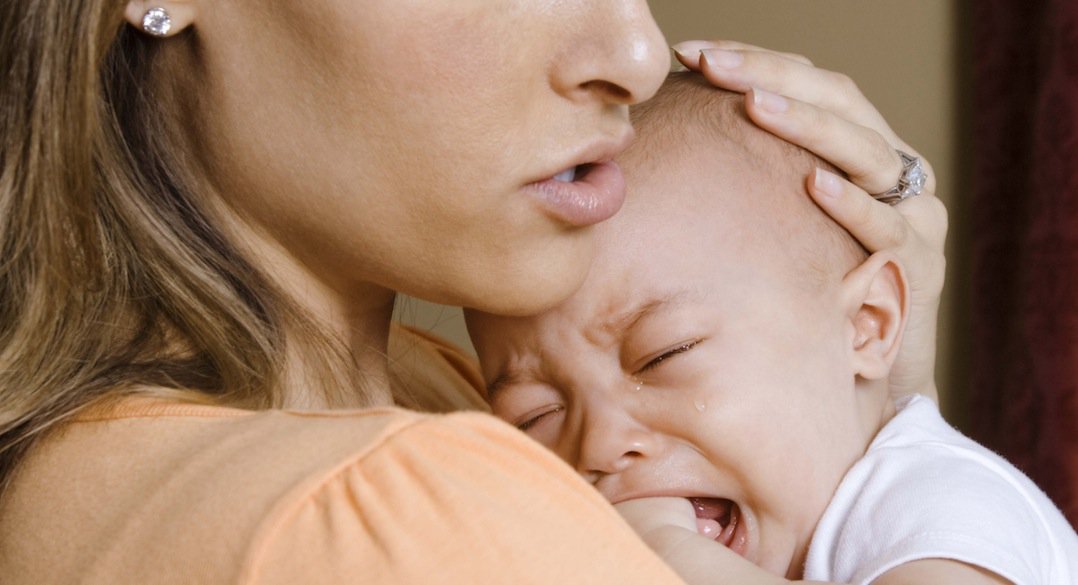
(526,292)
(535,297)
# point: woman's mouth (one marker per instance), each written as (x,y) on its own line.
(568,175)
(583,195)
(721,520)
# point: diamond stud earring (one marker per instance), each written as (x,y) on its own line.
(156,22)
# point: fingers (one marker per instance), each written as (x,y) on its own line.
(862,153)
(688,52)
(847,131)
(742,70)
(828,114)
(929,216)
(740,67)
(874,224)
(877,225)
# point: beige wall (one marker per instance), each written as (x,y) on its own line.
(905,55)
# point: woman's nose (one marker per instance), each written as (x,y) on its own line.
(611,442)
(617,53)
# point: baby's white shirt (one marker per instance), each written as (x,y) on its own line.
(923,490)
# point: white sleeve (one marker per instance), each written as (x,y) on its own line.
(935,500)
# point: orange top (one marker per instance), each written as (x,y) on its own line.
(151,491)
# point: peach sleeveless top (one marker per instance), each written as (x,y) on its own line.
(151,491)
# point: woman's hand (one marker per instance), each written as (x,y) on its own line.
(826,113)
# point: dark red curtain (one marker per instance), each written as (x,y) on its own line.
(1024,394)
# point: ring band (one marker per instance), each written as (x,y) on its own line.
(910,183)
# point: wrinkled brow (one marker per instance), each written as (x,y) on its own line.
(500,382)
(621,321)
(615,326)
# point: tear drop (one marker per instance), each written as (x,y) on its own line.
(701,406)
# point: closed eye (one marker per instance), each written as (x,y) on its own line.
(669,354)
(535,417)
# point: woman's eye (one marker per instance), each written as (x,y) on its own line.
(669,354)
(534,418)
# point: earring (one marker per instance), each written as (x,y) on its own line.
(156,22)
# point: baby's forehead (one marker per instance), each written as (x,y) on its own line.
(605,319)
(695,202)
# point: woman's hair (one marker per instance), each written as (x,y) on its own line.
(112,278)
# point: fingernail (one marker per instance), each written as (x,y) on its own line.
(827,183)
(723,58)
(690,48)
(684,60)
(776,104)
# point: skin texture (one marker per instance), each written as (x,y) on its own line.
(407,166)
(825,112)
(765,372)
(359,149)
(699,359)
(392,144)
(356,150)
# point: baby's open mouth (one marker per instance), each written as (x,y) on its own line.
(719,519)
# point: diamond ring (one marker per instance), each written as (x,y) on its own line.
(910,183)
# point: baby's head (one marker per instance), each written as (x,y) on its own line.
(731,343)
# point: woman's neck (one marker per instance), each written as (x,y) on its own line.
(336,356)
(359,369)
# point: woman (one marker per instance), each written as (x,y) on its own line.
(207,210)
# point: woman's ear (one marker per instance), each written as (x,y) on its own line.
(876,296)
(160,18)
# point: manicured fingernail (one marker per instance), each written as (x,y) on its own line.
(827,183)
(691,48)
(776,104)
(723,58)
(684,60)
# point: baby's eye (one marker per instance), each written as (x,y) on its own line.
(536,416)
(684,347)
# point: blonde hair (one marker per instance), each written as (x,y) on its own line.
(112,277)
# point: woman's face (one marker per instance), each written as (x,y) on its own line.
(417,144)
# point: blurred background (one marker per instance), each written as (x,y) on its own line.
(988,91)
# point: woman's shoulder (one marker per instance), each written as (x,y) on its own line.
(461,498)
(164,492)
(101,496)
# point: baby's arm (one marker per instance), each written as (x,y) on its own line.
(668,526)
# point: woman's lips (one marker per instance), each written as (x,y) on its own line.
(595,194)
(722,521)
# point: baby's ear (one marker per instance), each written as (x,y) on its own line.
(876,296)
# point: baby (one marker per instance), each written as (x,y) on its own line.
(722,377)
